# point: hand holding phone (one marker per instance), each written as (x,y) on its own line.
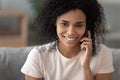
(86,40)
(86,49)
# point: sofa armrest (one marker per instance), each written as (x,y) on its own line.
(11,61)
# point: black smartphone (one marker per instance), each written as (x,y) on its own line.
(86,33)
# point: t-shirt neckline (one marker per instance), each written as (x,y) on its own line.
(65,58)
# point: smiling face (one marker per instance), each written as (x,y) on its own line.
(70,28)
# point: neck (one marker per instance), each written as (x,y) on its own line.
(68,52)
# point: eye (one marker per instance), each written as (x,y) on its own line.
(64,24)
(79,25)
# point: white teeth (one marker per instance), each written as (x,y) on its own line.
(70,39)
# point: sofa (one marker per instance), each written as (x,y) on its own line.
(12,59)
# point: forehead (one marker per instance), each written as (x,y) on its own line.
(73,15)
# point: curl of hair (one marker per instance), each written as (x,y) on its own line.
(51,9)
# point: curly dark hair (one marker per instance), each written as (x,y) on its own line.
(51,9)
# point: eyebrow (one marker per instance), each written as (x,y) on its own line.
(79,22)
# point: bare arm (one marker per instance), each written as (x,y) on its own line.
(85,61)
(103,76)
(32,78)
(88,75)
(86,54)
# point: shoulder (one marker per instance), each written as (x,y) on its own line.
(44,50)
(103,49)
(104,59)
(103,53)
(46,47)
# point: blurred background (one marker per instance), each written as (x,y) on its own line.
(17,17)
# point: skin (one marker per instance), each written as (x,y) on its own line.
(70,29)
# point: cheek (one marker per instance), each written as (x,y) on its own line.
(81,32)
(59,29)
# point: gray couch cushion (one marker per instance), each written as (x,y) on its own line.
(116,64)
(11,61)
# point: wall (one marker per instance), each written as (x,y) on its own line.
(110,1)
(112,14)
(22,5)
(111,9)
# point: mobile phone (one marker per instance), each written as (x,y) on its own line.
(86,33)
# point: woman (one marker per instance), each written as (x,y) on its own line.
(74,29)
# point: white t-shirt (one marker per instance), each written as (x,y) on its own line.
(47,62)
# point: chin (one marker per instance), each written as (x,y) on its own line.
(76,44)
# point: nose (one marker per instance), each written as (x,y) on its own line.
(71,31)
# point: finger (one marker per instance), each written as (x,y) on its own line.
(85,39)
(89,34)
(86,43)
(84,47)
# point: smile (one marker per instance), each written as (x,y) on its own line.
(70,38)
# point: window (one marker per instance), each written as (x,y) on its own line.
(13,28)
